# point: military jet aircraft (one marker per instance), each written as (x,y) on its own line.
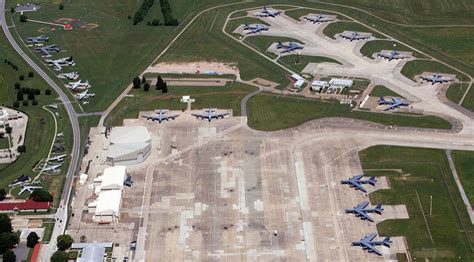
(28,189)
(79,85)
(255,28)
(20,180)
(368,244)
(268,13)
(289,47)
(59,158)
(69,76)
(317,19)
(46,50)
(394,54)
(209,114)
(361,211)
(37,39)
(59,63)
(53,168)
(437,78)
(355,36)
(392,103)
(357,183)
(161,116)
(83,95)
(60,134)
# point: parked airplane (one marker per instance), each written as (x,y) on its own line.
(368,244)
(29,189)
(392,103)
(437,78)
(268,13)
(84,95)
(79,85)
(37,39)
(394,54)
(59,63)
(161,116)
(289,47)
(255,28)
(361,211)
(128,182)
(357,183)
(59,158)
(355,36)
(46,50)
(69,76)
(317,19)
(60,134)
(210,113)
(53,168)
(20,180)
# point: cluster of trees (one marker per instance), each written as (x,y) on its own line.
(23,18)
(155,22)
(31,95)
(168,13)
(8,239)
(160,84)
(41,195)
(11,64)
(141,13)
(64,242)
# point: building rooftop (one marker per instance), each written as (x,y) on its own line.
(91,252)
(129,135)
(24,205)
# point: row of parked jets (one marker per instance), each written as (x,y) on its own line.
(367,242)
(208,114)
(58,65)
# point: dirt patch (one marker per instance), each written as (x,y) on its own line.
(208,68)
(264,82)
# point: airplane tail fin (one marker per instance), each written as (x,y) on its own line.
(382,100)
(69,59)
(372,180)
(378,209)
(387,242)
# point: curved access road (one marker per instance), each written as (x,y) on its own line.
(62,211)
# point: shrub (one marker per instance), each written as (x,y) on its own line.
(25,103)
(47,92)
(22,77)
(23,18)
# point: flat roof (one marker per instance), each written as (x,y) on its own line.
(108,202)
(129,135)
(113,177)
(91,252)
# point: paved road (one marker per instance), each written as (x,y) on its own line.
(62,212)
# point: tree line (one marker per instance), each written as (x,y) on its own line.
(169,20)
(160,84)
(168,13)
(141,13)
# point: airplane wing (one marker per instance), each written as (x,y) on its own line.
(358,177)
(57,65)
(360,37)
(169,117)
(199,115)
(22,191)
(363,214)
(362,205)
(218,115)
(359,186)
(371,248)
(392,106)
(369,237)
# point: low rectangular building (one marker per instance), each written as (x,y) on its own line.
(299,84)
(27,205)
(112,179)
(107,206)
(318,85)
(341,83)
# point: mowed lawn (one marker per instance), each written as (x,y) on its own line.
(464,162)
(299,62)
(417,67)
(227,97)
(270,112)
(380,90)
(424,174)
(376,46)
(456,91)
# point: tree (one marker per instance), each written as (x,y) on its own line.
(146,87)
(31,96)
(34,102)
(37,91)
(3,193)
(22,77)
(159,83)
(17,85)
(21,149)
(5,224)
(9,130)
(47,92)
(64,242)
(25,103)
(23,18)
(165,88)
(143,80)
(19,95)
(59,256)
(155,22)
(9,256)
(41,195)
(83,239)
(129,17)
(32,240)
(136,82)
(31,74)
(12,10)
(7,241)
(16,104)
(61,7)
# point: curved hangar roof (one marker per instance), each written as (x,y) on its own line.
(129,135)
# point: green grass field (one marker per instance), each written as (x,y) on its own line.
(456,91)
(417,67)
(375,46)
(269,112)
(303,60)
(424,172)
(379,91)
(339,27)
(469,100)
(4,142)
(464,162)
(227,97)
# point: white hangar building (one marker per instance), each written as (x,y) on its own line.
(128,145)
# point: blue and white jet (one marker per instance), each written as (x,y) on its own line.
(268,13)
(161,116)
(355,36)
(362,211)
(392,103)
(37,39)
(289,47)
(368,243)
(255,28)
(357,183)
(317,19)
(210,114)
(394,54)
(47,50)
(437,78)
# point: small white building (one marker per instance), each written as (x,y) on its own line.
(318,85)
(111,179)
(185,99)
(106,208)
(340,83)
(296,77)
(299,84)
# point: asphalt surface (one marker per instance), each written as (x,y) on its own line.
(62,212)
